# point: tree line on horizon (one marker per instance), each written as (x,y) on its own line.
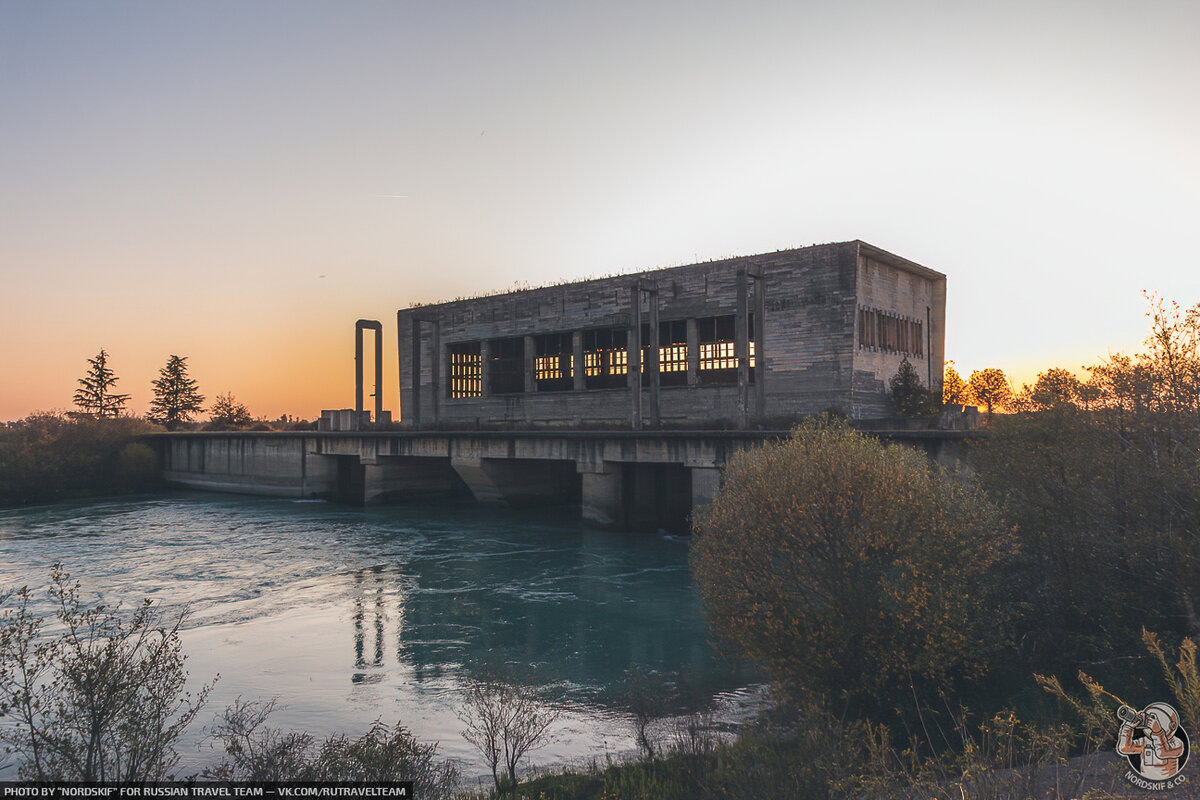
(177,398)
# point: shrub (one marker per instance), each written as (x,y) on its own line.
(851,571)
(257,752)
(102,700)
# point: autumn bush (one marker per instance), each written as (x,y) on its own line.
(1101,480)
(854,572)
(50,456)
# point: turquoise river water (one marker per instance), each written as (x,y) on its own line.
(347,615)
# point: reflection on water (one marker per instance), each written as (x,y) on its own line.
(349,614)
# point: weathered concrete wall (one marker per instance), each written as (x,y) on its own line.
(913,297)
(245,463)
(812,360)
(621,479)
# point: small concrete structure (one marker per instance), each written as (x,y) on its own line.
(360,326)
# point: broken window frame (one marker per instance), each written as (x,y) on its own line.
(606,358)
(506,365)
(465,370)
(553,362)
(718,349)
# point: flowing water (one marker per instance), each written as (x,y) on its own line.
(348,615)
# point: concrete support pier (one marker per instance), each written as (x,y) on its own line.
(645,480)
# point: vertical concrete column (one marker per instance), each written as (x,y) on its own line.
(378,372)
(360,326)
(358,367)
(760,347)
(437,358)
(485,369)
(577,360)
(741,347)
(693,352)
(705,483)
(530,383)
(652,367)
(602,501)
(634,357)
(415,389)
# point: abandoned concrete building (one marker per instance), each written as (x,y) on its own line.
(751,342)
(625,396)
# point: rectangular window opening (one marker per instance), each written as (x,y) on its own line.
(553,362)
(466,370)
(890,333)
(606,358)
(718,349)
(506,365)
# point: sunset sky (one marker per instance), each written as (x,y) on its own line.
(238,182)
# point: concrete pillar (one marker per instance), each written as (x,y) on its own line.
(485,369)
(652,367)
(503,481)
(530,351)
(705,483)
(438,358)
(318,474)
(634,357)
(359,327)
(741,347)
(415,383)
(577,360)
(760,347)
(693,352)
(408,478)
(602,501)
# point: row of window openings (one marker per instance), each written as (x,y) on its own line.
(889,333)
(605,359)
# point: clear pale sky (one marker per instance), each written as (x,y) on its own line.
(238,182)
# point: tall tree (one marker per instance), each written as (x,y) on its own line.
(95,396)
(990,387)
(910,398)
(954,389)
(176,395)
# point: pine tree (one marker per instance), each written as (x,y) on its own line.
(176,397)
(95,396)
(227,411)
(908,395)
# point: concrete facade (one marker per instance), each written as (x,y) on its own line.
(758,341)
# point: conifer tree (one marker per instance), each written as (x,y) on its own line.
(95,396)
(227,411)
(908,395)
(176,395)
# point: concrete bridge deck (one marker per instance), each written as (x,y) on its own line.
(623,479)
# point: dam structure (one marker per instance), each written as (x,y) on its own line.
(624,394)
